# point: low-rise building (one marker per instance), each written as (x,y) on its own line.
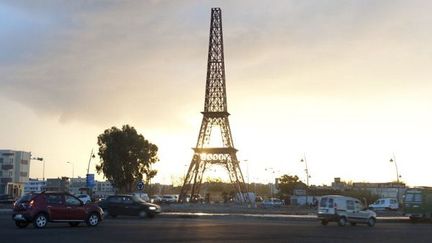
(14,169)
(383,190)
(77,185)
(103,189)
(34,185)
(57,184)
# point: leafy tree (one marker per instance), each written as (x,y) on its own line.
(125,157)
(287,184)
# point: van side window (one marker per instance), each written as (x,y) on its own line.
(330,203)
(350,205)
(323,202)
(358,205)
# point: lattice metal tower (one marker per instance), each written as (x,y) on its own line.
(215,115)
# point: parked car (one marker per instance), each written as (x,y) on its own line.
(272,202)
(128,205)
(196,198)
(84,198)
(418,204)
(343,210)
(169,199)
(385,204)
(41,208)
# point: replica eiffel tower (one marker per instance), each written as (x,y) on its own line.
(215,115)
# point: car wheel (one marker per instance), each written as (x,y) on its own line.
(353,223)
(74,224)
(21,224)
(342,221)
(40,221)
(324,222)
(142,214)
(93,220)
(371,222)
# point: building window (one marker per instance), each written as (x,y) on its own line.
(24,162)
(1,160)
(24,174)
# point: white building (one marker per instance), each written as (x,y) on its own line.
(103,189)
(34,185)
(76,184)
(14,168)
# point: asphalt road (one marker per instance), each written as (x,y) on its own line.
(219,229)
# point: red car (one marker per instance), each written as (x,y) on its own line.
(41,208)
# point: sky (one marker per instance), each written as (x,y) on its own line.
(345,84)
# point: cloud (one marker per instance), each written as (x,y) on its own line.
(104,61)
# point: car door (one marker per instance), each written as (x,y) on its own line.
(351,211)
(129,207)
(75,208)
(114,205)
(56,206)
(362,213)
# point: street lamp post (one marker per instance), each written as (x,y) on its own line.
(307,175)
(73,168)
(92,155)
(393,160)
(43,166)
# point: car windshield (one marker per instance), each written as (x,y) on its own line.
(137,199)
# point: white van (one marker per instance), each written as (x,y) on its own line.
(385,204)
(343,210)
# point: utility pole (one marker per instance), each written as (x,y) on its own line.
(307,175)
(92,155)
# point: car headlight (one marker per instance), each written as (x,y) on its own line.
(152,208)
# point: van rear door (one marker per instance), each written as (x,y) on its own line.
(326,206)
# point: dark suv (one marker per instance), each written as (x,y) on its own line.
(128,205)
(41,208)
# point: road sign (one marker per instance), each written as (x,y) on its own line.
(140,186)
(90,182)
